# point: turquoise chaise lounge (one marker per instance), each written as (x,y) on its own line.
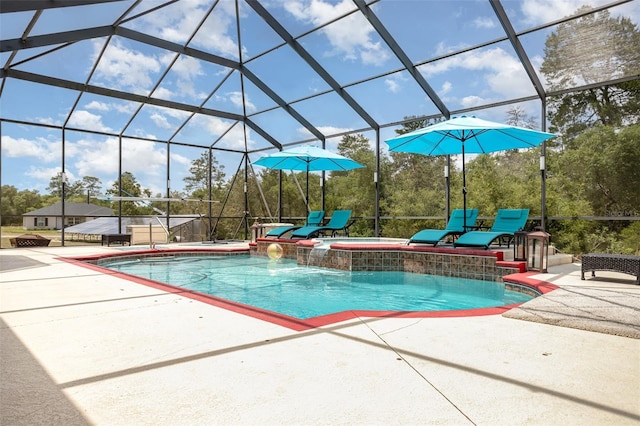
(507,222)
(314,218)
(455,227)
(339,222)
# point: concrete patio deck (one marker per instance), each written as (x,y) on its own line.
(80,347)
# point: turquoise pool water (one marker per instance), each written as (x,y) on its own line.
(305,292)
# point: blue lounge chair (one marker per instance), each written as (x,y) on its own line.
(455,227)
(507,222)
(314,218)
(339,222)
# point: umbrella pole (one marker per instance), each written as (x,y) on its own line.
(307,197)
(464,193)
(447,188)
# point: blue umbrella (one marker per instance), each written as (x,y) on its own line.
(466,134)
(307,158)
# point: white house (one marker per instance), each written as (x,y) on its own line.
(50,217)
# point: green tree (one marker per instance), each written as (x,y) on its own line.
(197,183)
(603,166)
(292,198)
(413,185)
(71,189)
(355,189)
(130,188)
(517,116)
(508,179)
(15,203)
(591,50)
(74,191)
(55,185)
(91,185)
(597,175)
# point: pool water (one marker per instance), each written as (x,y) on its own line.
(304,292)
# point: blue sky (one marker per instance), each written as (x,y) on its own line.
(349,49)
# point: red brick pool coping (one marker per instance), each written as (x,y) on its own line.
(297,324)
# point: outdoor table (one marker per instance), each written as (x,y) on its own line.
(29,240)
(116,238)
(626,264)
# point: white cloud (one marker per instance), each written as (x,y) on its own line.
(125,68)
(214,34)
(153,166)
(40,148)
(325,130)
(483,22)
(165,118)
(502,72)
(472,101)
(160,120)
(126,108)
(163,93)
(45,174)
(85,120)
(47,120)
(179,159)
(98,158)
(217,127)
(392,85)
(185,69)
(542,11)
(236,99)
(98,106)
(331,130)
(446,87)
(214,126)
(175,113)
(349,37)
(234,139)
(178,21)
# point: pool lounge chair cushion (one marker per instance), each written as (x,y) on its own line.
(507,222)
(455,227)
(314,218)
(339,222)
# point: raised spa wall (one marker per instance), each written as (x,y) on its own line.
(464,263)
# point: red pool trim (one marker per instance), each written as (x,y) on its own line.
(287,321)
(97,256)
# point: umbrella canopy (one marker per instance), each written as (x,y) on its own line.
(466,134)
(307,158)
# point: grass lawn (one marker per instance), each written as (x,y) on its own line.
(9,232)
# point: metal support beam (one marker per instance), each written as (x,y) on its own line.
(262,133)
(311,61)
(55,38)
(402,56)
(67,84)
(174,47)
(287,107)
(10,6)
(517,46)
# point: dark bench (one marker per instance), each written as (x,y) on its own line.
(626,264)
(108,239)
(29,240)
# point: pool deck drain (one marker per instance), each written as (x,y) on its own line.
(79,347)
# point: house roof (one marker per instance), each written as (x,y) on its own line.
(109,225)
(71,209)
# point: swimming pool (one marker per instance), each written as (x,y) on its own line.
(305,292)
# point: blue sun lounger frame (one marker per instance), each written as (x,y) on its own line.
(339,222)
(314,218)
(455,227)
(506,224)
